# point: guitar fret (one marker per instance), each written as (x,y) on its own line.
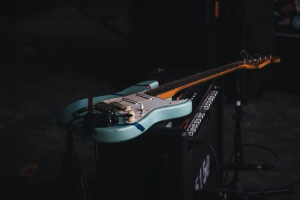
(191,79)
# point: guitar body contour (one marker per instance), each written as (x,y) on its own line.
(161,110)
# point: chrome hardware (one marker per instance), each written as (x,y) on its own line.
(196,122)
(130,100)
(192,130)
(200,115)
(104,107)
(146,96)
(207,103)
(117,105)
(194,125)
(205,108)
(190,134)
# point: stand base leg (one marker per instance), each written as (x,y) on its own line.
(280,191)
(236,186)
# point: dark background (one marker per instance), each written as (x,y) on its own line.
(56,52)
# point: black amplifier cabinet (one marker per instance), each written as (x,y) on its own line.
(166,162)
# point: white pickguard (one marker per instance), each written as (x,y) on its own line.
(136,100)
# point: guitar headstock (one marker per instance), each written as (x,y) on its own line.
(260,62)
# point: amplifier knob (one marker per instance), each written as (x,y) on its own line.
(197,121)
(194,125)
(205,108)
(192,130)
(200,115)
(214,93)
(208,103)
(190,134)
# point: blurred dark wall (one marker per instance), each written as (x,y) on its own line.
(167,34)
(186,35)
(247,25)
(19,8)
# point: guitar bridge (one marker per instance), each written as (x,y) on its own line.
(117,105)
(104,107)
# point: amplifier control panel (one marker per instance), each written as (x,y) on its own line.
(195,122)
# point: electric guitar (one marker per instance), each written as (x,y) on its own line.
(129,113)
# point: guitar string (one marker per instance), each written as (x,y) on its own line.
(190,79)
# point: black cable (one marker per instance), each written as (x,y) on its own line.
(76,118)
(82,110)
(83,175)
(96,154)
(76,156)
(241,193)
(250,145)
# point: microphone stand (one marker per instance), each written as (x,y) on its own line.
(239,158)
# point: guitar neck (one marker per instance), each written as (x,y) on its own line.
(170,89)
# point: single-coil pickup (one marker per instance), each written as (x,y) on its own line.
(130,100)
(144,96)
(117,105)
(104,107)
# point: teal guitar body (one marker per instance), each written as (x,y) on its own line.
(144,111)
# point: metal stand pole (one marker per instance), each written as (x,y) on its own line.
(239,156)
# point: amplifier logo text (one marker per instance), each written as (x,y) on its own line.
(203,174)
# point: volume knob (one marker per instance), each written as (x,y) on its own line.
(127,108)
(131,119)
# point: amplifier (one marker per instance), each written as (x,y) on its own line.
(166,162)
